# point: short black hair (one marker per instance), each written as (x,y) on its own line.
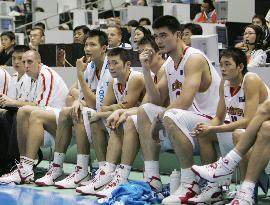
(9,34)
(148,22)
(102,36)
(40,25)
(123,54)
(211,4)
(133,23)
(146,31)
(83,27)
(195,29)
(167,21)
(149,40)
(21,48)
(262,18)
(238,57)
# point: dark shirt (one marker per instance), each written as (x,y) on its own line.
(5,57)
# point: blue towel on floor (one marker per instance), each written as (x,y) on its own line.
(131,193)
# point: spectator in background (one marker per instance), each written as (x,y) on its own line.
(126,37)
(189,30)
(115,38)
(260,21)
(6,48)
(40,25)
(252,45)
(80,34)
(208,13)
(139,33)
(142,3)
(36,37)
(144,22)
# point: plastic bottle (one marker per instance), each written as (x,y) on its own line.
(174,181)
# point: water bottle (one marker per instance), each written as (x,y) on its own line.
(174,181)
(95,167)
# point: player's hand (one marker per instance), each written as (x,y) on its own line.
(5,101)
(146,58)
(81,64)
(122,119)
(113,119)
(76,110)
(201,130)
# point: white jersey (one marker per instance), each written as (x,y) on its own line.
(235,103)
(204,103)
(4,81)
(19,89)
(49,89)
(120,93)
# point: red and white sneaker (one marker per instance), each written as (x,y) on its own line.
(209,195)
(100,180)
(116,181)
(73,180)
(242,198)
(18,176)
(182,194)
(215,172)
(54,172)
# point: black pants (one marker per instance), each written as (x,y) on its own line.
(8,140)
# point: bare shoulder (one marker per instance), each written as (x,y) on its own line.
(138,79)
(252,79)
(196,60)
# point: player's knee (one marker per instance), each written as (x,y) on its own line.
(36,116)
(142,116)
(23,112)
(237,134)
(264,131)
(129,125)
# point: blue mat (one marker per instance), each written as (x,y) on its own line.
(16,195)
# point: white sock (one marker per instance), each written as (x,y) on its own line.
(233,158)
(109,167)
(124,170)
(101,164)
(152,168)
(27,164)
(58,158)
(187,175)
(82,161)
(248,186)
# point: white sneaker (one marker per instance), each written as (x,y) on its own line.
(209,195)
(242,198)
(215,172)
(54,172)
(100,180)
(116,181)
(18,176)
(73,180)
(182,194)
(155,183)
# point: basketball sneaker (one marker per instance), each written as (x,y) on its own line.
(242,198)
(73,180)
(54,172)
(116,181)
(210,195)
(101,179)
(185,192)
(18,176)
(215,172)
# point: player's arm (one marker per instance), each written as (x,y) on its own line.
(156,94)
(135,91)
(89,95)
(251,84)
(191,85)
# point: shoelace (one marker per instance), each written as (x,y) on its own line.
(72,175)
(52,168)
(114,182)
